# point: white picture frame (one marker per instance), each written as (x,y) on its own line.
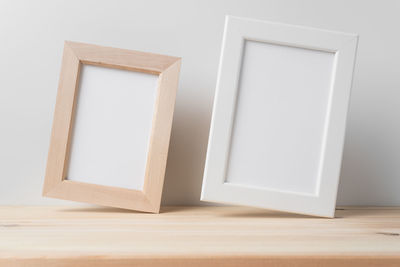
(279,117)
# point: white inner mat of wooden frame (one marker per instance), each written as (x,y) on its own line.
(112,127)
(281,114)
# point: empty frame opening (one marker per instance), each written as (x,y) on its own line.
(281,112)
(112,127)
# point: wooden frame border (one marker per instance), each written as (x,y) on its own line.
(55,184)
(215,187)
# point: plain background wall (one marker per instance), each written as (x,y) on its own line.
(31,43)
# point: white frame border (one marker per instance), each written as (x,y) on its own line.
(237,30)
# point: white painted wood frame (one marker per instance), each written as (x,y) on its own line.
(279,117)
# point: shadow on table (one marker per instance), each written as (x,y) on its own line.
(362,211)
(231,212)
(98,210)
(266,214)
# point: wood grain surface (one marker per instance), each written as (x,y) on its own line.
(197,236)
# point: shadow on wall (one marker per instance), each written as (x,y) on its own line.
(187,154)
(369,160)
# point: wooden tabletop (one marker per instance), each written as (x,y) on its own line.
(197,236)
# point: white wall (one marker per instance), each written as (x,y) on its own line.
(31,43)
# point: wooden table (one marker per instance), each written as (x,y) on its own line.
(197,236)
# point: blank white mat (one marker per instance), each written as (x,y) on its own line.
(112,127)
(281,113)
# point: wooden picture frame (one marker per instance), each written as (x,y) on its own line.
(76,56)
(279,117)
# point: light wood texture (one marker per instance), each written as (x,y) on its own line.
(76,54)
(159,142)
(197,236)
(62,121)
(121,58)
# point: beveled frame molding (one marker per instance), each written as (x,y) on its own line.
(216,187)
(55,184)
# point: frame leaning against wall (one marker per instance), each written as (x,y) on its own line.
(75,55)
(216,185)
